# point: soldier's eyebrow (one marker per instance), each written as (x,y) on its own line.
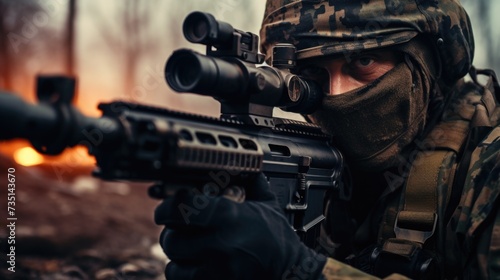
(382,54)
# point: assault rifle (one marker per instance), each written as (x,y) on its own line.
(174,149)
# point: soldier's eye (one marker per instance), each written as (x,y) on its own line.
(363,61)
(370,66)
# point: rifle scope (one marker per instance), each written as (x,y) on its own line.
(232,80)
(228,73)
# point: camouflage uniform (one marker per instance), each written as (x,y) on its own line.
(467,237)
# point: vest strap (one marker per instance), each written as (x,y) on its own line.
(418,218)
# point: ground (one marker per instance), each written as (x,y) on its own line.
(77,227)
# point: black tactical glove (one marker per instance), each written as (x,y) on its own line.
(209,237)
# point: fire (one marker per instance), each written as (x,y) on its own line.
(77,156)
(27,156)
(23,154)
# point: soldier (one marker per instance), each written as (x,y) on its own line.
(422,148)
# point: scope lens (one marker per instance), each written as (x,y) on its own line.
(295,88)
(199,31)
(196,27)
(186,72)
(183,71)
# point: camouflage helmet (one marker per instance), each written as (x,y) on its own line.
(320,27)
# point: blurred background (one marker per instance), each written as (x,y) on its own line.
(70,224)
(117,49)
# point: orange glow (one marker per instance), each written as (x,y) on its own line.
(77,156)
(23,154)
(27,156)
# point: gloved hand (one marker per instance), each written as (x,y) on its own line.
(209,237)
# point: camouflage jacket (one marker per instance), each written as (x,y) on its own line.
(467,237)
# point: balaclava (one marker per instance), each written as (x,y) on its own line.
(372,125)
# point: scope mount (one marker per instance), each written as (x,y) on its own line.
(242,47)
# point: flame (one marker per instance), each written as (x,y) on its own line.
(77,156)
(23,154)
(27,156)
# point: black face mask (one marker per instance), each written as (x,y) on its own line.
(373,124)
